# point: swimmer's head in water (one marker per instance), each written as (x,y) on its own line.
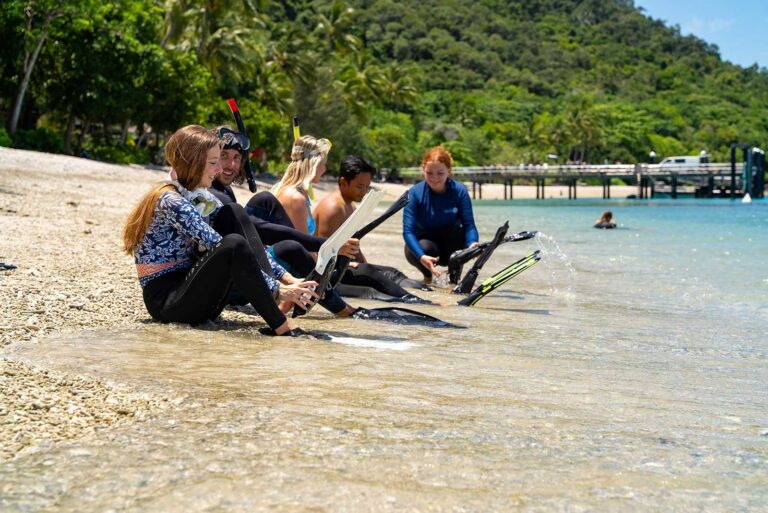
(355,176)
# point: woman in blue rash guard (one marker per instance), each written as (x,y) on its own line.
(185,267)
(438,219)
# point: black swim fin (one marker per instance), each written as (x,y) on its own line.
(466,284)
(403,316)
(295,332)
(364,292)
(461,256)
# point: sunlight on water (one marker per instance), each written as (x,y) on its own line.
(641,386)
(376,344)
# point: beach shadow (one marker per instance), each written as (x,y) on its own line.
(216,325)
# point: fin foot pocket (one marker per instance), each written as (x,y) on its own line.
(295,332)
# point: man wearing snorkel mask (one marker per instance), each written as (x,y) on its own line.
(289,246)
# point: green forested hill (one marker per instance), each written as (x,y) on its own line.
(495,81)
(590,80)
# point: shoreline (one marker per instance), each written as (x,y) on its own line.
(61,217)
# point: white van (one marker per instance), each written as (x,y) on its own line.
(684,161)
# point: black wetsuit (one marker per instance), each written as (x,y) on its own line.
(440,244)
(290,247)
(368,281)
(199,293)
(272,228)
(371,281)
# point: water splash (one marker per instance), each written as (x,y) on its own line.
(561,274)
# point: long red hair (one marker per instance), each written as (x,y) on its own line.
(186,152)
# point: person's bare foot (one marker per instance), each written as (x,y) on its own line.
(283,328)
(346,312)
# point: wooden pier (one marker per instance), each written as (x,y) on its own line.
(702,180)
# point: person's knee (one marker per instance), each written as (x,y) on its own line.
(292,252)
(235,242)
(290,247)
(429,247)
(227,210)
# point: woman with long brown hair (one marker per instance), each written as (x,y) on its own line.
(185,267)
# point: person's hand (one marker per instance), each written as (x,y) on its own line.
(350,249)
(289,279)
(299,294)
(430,262)
(473,245)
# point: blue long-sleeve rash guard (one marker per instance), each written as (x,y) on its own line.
(428,211)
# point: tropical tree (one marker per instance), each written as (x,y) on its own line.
(40,20)
(397,90)
(583,125)
(334,26)
(360,82)
(222,33)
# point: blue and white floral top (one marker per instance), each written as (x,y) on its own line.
(177,228)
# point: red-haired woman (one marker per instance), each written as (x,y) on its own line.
(185,267)
(438,219)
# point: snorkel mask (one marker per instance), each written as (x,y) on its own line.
(244,142)
(234,140)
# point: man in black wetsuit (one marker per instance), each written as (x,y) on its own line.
(289,246)
(270,233)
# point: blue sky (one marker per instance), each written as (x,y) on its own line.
(739,28)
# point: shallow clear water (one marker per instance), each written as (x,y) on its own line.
(627,371)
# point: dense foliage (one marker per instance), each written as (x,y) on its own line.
(497,81)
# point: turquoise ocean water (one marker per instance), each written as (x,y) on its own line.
(627,371)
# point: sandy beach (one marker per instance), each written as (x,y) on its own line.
(561,393)
(60,219)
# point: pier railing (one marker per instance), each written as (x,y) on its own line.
(706,180)
(586,171)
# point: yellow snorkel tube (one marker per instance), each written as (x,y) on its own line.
(296,131)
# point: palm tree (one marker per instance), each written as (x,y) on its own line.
(534,137)
(360,81)
(175,20)
(397,90)
(334,27)
(289,50)
(223,33)
(274,89)
(583,126)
